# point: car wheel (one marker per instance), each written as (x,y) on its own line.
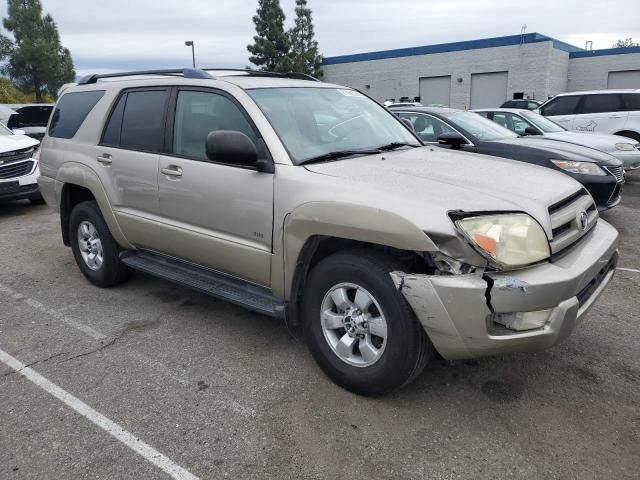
(94,249)
(359,328)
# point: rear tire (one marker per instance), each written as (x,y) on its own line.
(95,250)
(359,327)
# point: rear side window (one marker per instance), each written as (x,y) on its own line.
(71,111)
(602,103)
(143,120)
(112,132)
(631,102)
(561,106)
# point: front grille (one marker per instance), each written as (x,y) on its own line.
(566,224)
(615,195)
(617,172)
(15,155)
(14,170)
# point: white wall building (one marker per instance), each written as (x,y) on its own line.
(485,73)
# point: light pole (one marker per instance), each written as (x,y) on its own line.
(189,43)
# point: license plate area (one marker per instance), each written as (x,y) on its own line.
(9,187)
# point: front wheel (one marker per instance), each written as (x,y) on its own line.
(359,328)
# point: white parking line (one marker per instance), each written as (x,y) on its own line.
(112,428)
(628,270)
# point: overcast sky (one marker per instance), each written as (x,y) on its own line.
(134,34)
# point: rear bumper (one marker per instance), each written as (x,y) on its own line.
(457,311)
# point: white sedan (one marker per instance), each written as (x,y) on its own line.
(526,122)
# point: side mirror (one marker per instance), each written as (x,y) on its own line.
(451,139)
(17,131)
(531,131)
(230,146)
(408,123)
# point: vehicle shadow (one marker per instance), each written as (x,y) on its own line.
(18,207)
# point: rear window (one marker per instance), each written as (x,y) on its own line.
(602,103)
(34,116)
(71,111)
(561,106)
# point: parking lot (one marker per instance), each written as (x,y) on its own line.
(223,392)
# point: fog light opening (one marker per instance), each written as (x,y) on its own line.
(520,321)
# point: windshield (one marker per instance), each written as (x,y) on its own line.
(312,122)
(543,123)
(4,130)
(480,127)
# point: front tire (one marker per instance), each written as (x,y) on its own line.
(95,250)
(359,327)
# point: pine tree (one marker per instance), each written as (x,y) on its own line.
(37,62)
(304,48)
(270,50)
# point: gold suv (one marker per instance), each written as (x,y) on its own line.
(312,203)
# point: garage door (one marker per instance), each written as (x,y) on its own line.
(435,90)
(625,79)
(488,90)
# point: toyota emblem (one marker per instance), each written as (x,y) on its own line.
(583,220)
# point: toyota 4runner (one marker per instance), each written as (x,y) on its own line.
(313,203)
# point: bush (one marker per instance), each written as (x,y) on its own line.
(10,94)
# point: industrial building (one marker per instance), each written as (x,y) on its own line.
(485,73)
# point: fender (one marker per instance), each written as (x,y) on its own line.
(83,176)
(348,221)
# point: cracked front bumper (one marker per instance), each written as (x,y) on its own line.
(457,311)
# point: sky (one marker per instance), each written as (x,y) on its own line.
(113,35)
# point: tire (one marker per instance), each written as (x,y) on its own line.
(400,356)
(106,270)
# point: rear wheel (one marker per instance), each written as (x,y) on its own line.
(94,249)
(359,328)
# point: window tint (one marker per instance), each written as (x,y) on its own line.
(561,106)
(200,113)
(602,103)
(631,102)
(112,132)
(426,127)
(143,120)
(71,111)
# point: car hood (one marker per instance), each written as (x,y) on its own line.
(425,183)
(564,150)
(9,143)
(599,141)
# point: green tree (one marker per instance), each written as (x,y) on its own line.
(270,50)
(36,61)
(627,42)
(304,48)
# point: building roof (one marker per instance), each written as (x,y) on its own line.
(574,52)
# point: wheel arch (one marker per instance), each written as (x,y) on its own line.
(629,134)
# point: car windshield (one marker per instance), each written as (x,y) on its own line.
(318,122)
(543,123)
(480,127)
(4,130)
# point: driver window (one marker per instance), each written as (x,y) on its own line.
(198,114)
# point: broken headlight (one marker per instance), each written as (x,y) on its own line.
(508,240)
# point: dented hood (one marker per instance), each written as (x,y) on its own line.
(418,183)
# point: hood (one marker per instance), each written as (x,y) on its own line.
(416,182)
(9,143)
(564,150)
(599,141)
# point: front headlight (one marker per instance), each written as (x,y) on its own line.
(625,147)
(507,240)
(586,168)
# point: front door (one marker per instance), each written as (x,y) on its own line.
(216,215)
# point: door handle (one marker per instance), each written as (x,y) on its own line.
(615,116)
(171,171)
(105,159)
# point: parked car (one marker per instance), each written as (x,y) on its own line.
(525,122)
(526,104)
(382,249)
(31,118)
(600,173)
(402,104)
(18,167)
(599,111)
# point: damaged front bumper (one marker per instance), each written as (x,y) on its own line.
(458,311)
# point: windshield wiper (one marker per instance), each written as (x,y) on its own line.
(339,154)
(395,145)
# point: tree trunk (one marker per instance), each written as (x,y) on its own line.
(36,89)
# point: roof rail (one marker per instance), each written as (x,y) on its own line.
(185,72)
(264,73)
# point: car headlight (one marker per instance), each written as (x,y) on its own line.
(506,240)
(586,168)
(625,147)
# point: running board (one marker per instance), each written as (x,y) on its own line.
(254,297)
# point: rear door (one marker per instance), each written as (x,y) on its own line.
(602,112)
(562,110)
(216,215)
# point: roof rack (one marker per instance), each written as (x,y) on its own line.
(264,73)
(184,72)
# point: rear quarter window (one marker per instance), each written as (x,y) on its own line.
(71,111)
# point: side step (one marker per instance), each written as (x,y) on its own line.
(254,297)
